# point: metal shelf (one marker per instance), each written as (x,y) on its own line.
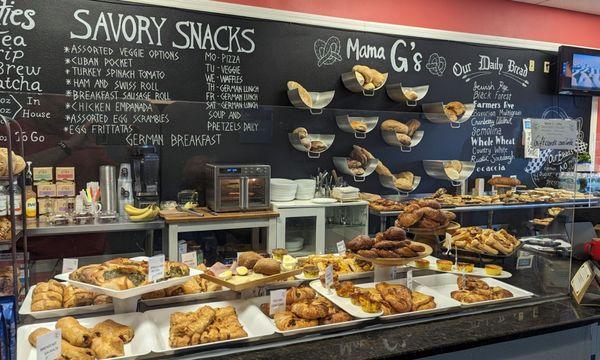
(583,202)
(45,229)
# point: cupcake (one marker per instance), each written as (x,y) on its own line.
(444,265)
(466,267)
(422,264)
(310,271)
(493,270)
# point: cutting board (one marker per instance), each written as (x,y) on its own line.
(175,216)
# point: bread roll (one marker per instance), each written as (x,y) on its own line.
(403,139)
(413,125)
(359,126)
(410,95)
(304,94)
(248,259)
(360,78)
(267,267)
(383,170)
(506,181)
(365,71)
(454,110)
(317,146)
(395,126)
(301,132)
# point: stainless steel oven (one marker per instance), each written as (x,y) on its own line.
(238,187)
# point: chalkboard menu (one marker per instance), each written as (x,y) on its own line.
(105,77)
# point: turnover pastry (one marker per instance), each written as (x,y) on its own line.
(454,110)
(304,94)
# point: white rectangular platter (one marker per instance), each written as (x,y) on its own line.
(477,271)
(254,322)
(343,303)
(25,309)
(446,283)
(136,291)
(443,303)
(315,329)
(219,294)
(144,339)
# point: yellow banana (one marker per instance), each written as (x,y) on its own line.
(149,214)
(132,210)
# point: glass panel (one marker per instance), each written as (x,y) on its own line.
(256,192)
(300,235)
(343,223)
(230,192)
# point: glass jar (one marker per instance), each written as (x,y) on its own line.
(3,198)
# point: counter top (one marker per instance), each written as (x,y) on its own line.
(174,216)
(44,229)
(310,203)
(410,339)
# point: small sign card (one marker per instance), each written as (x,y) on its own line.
(69,265)
(277,301)
(329,276)
(156,268)
(341,246)
(190,259)
(48,346)
(409,279)
(582,280)
(560,134)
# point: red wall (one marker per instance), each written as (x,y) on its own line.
(489,17)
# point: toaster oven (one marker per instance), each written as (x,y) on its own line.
(238,187)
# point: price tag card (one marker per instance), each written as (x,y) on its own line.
(156,268)
(48,346)
(448,241)
(409,279)
(560,134)
(582,280)
(341,246)
(524,261)
(69,265)
(277,301)
(190,259)
(329,276)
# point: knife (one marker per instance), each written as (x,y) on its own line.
(189,211)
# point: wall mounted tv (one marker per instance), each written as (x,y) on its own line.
(578,71)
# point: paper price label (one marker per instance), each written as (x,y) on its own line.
(277,301)
(409,279)
(341,246)
(328,276)
(48,346)
(190,259)
(448,241)
(69,265)
(156,268)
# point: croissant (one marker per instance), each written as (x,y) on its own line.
(286,320)
(310,311)
(394,233)
(361,242)
(407,219)
(296,294)
(337,317)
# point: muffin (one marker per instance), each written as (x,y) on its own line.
(278,253)
(422,264)
(444,265)
(466,267)
(310,271)
(493,270)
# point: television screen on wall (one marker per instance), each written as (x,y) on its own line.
(578,71)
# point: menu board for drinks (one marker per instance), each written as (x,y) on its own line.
(105,77)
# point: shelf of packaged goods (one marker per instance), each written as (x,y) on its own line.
(500,207)
(7,244)
(44,229)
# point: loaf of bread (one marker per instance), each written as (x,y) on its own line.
(506,181)
(454,110)
(395,126)
(304,94)
(267,267)
(248,259)
(413,125)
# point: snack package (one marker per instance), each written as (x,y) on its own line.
(8,330)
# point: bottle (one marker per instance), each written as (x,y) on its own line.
(30,194)
(17,207)
(4,198)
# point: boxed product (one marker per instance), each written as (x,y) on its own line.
(45,189)
(42,174)
(46,205)
(8,327)
(64,205)
(65,188)
(65,173)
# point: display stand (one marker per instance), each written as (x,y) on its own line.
(128,305)
(429,236)
(384,268)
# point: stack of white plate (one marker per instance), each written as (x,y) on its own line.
(306,189)
(283,189)
(294,244)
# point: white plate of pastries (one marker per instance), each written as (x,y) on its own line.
(121,336)
(55,299)
(221,322)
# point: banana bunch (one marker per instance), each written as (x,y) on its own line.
(145,214)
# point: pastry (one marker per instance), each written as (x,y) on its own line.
(422,301)
(248,259)
(371,78)
(204,325)
(444,265)
(108,347)
(404,139)
(413,125)
(360,242)
(317,146)
(410,95)
(298,294)
(267,267)
(394,233)
(454,110)
(404,180)
(395,126)
(73,332)
(109,328)
(360,78)
(304,94)
(359,126)
(32,338)
(287,320)
(279,253)
(388,244)
(367,253)
(465,267)
(310,271)
(345,289)
(75,297)
(493,270)
(310,310)
(422,264)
